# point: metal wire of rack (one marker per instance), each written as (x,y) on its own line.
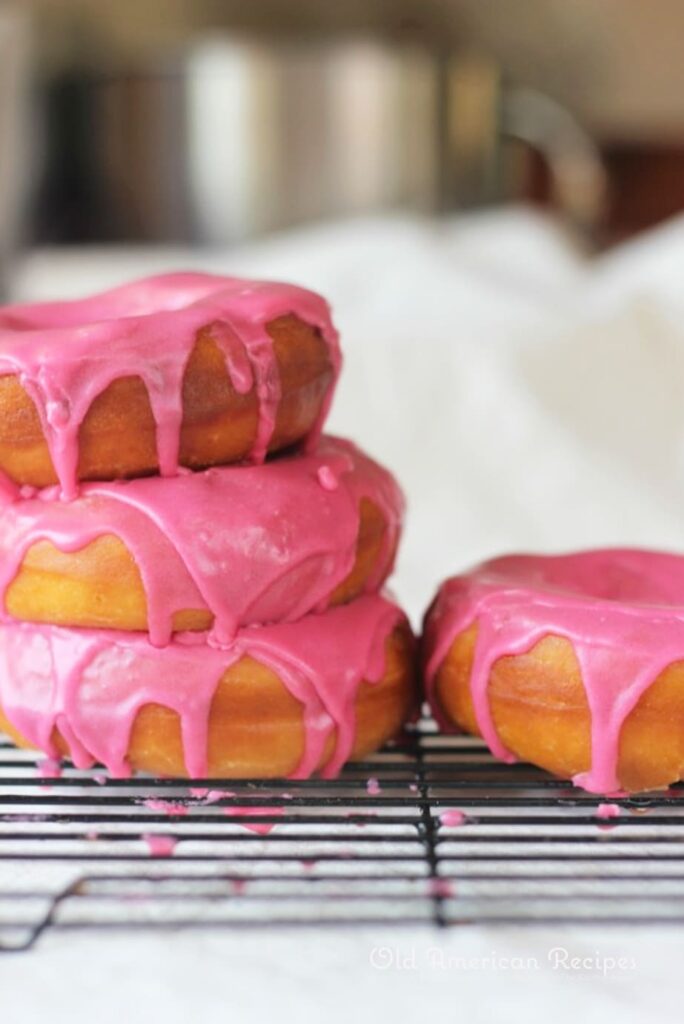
(81,851)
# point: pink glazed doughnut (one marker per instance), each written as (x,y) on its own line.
(231,546)
(281,700)
(574,663)
(176,370)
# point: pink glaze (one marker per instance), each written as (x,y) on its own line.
(608,811)
(166,807)
(452,817)
(251,544)
(262,828)
(373,787)
(160,845)
(440,887)
(67,353)
(91,683)
(210,796)
(49,768)
(622,610)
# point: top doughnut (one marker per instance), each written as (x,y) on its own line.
(181,369)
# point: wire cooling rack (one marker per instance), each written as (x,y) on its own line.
(376,846)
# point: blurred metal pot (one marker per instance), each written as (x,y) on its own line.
(240,137)
(14,135)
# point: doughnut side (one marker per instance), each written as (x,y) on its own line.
(257,727)
(118,435)
(100,586)
(540,711)
(217,550)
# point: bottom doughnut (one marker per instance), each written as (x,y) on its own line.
(282,700)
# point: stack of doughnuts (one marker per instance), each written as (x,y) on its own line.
(190,572)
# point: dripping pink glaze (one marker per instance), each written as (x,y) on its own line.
(622,610)
(608,811)
(49,768)
(91,683)
(252,544)
(67,353)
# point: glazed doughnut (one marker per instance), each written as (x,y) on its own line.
(281,700)
(231,546)
(574,663)
(181,369)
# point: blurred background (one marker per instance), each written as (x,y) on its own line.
(489,193)
(214,120)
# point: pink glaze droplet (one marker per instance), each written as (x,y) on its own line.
(262,828)
(608,811)
(441,887)
(214,795)
(49,768)
(373,787)
(452,817)
(211,796)
(166,806)
(160,845)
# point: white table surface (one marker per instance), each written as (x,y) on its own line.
(528,399)
(309,976)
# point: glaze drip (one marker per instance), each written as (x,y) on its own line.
(252,544)
(147,329)
(90,684)
(622,610)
